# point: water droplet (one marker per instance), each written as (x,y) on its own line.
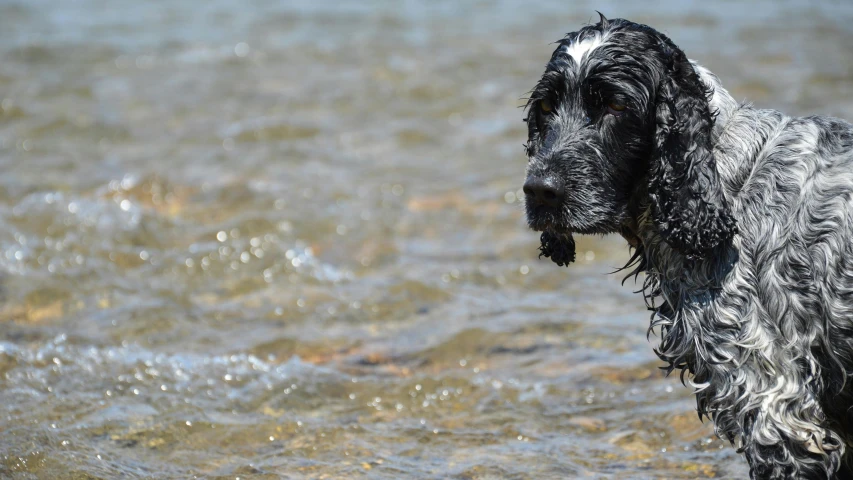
(241,49)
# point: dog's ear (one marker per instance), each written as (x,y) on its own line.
(688,205)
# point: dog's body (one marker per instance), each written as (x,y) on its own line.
(765,324)
(742,220)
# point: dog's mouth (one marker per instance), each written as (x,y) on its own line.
(542,218)
(540,225)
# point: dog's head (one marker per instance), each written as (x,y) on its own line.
(618,124)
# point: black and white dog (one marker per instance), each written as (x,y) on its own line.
(741,220)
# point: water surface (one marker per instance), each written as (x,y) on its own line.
(283,240)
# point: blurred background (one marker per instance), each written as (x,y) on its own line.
(284,240)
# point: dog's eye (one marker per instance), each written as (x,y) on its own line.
(616,108)
(546,107)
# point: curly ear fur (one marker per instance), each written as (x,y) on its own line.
(688,205)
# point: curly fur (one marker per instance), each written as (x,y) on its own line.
(560,248)
(742,221)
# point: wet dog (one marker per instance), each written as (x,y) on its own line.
(741,220)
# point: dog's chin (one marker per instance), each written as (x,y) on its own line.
(540,225)
(554,226)
(558,246)
(557,241)
(540,219)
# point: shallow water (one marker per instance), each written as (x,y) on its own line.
(284,242)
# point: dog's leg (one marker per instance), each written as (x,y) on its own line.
(756,387)
(845,472)
(768,398)
(792,459)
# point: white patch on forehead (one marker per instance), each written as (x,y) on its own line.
(578,49)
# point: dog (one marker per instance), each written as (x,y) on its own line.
(740,218)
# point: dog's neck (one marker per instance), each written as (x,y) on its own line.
(736,146)
(639,228)
(721,104)
(740,132)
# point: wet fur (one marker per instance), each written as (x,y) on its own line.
(741,220)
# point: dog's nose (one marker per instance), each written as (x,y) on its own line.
(544,191)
